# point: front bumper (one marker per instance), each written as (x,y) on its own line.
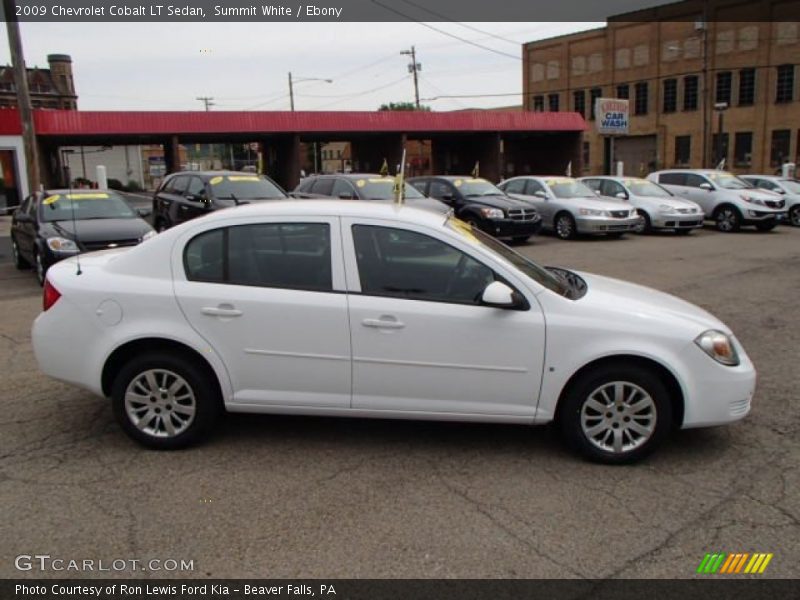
(678,221)
(597,225)
(513,228)
(752,216)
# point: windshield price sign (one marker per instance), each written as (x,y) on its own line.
(612,116)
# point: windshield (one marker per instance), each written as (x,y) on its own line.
(477,187)
(244,187)
(728,181)
(85,205)
(569,188)
(792,185)
(382,188)
(642,187)
(539,274)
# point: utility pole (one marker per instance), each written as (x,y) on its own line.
(413,68)
(207,101)
(291,92)
(23,95)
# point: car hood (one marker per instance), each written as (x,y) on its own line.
(597,202)
(633,301)
(101,230)
(496,201)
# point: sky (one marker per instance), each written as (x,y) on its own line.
(244,66)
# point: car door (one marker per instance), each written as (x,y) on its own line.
(539,196)
(194,202)
(24,227)
(173,200)
(612,189)
(707,199)
(422,342)
(269,298)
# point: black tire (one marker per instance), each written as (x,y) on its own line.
(794,215)
(520,239)
(39,267)
(647,225)
(766,225)
(19,262)
(206,401)
(564,226)
(574,410)
(727,218)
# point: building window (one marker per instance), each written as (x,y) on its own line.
(743,149)
(640,102)
(690,85)
(719,153)
(552,102)
(538,103)
(779,149)
(624,91)
(747,87)
(580,102)
(683,150)
(594,94)
(785,84)
(670,95)
(587,163)
(724,83)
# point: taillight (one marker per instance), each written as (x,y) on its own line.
(50,296)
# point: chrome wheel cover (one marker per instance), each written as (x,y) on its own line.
(564,227)
(618,417)
(726,220)
(160,403)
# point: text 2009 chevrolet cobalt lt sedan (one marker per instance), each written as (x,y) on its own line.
(354,309)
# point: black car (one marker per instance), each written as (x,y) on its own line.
(189,194)
(362,186)
(483,205)
(52,225)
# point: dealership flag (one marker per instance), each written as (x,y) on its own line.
(569,169)
(384,168)
(399,181)
(476,172)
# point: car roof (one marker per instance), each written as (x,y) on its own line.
(46,193)
(615,177)
(209,174)
(350,176)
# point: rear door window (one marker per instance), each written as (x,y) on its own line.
(343,189)
(515,186)
(323,187)
(672,178)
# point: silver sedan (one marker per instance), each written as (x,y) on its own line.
(658,207)
(569,208)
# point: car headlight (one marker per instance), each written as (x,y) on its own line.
(752,200)
(593,212)
(60,244)
(148,235)
(718,346)
(665,208)
(492,213)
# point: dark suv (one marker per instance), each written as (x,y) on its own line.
(483,205)
(189,194)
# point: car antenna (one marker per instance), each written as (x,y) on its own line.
(235,199)
(68,175)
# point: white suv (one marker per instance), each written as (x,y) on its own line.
(730,201)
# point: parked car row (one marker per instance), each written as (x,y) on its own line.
(54,224)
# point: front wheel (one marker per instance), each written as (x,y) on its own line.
(565,226)
(165,402)
(645,225)
(794,215)
(727,219)
(19,262)
(766,225)
(39,266)
(616,414)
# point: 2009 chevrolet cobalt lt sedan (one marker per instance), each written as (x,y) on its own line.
(364,310)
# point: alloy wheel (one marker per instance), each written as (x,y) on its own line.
(618,417)
(160,403)
(564,227)
(794,216)
(727,220)
(40,272)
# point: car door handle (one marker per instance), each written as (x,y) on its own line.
(383,323)
(223,310)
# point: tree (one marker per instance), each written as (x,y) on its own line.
(403,106)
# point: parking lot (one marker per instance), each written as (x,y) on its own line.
(305,497)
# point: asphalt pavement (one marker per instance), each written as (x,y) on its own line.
(288,497)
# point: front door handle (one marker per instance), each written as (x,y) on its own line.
(223,310)
(383,323)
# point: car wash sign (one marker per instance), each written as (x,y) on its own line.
(611,116)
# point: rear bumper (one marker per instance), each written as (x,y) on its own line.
(598,225)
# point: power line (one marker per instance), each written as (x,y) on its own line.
(365,92)
(447,33)
(207,101)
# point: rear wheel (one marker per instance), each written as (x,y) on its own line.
(19,262)
(616,414)
(165,402)
(766,225)
(565,226)
(727,218)
(39,267)
(794,215)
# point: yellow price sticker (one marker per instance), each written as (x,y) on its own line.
(51,199)
(242,178)
(361,183)
(457,183)
(465,229)
(382,180)
(88,196)
(215,180)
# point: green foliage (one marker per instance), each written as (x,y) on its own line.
(394,106)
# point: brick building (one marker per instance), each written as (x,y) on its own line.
(680,65)
(49,88)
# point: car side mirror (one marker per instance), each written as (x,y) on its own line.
(447,197)
(706,186)
(499,295)
(540,194)
(144,211)
(622,195)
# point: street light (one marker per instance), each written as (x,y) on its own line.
(299,80)
(720,107)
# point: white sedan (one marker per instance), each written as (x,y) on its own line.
(362,310)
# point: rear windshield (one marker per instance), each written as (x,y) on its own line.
(382,188)
(244,187)
(85,205)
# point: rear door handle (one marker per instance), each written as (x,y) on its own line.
(223,310)
(383,323)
